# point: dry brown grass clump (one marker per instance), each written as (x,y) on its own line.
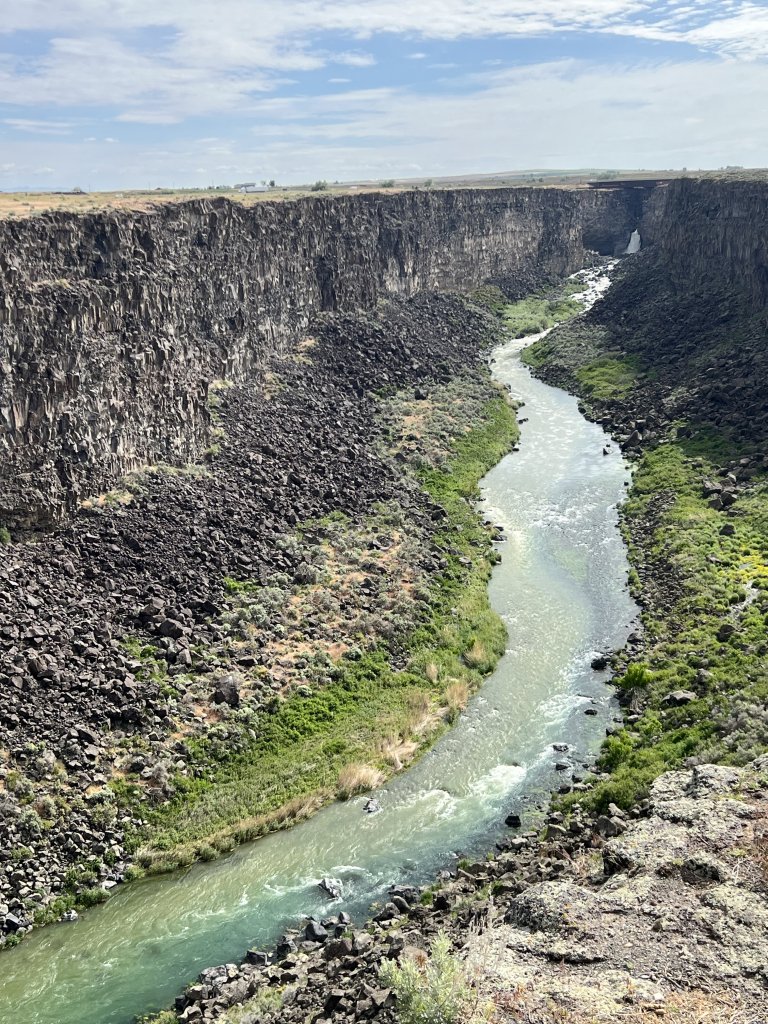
(760,852)
(432,672)
(358,778)
(397,751)
(698,1008)
(419,715)
(456,697)
(477,655)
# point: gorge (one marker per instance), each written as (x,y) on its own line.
(217,419)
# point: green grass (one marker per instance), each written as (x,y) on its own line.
(293,763)
(164,1017)
(607,378)
(538,313)
(672,534)
(718,579)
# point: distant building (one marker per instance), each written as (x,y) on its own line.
(250,186)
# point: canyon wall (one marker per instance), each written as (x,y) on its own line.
(710,232)
(113,325)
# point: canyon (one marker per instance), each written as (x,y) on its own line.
(114,326)
(205,408)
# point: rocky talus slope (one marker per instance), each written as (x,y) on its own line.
(658,913)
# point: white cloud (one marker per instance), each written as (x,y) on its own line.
(166,63)
(182,59)
(354,60)
(37,127)
(743,35)
(562,114)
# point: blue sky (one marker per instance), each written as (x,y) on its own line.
(140,93)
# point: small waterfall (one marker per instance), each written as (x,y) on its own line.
(634,243)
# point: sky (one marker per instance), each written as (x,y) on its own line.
(111,94)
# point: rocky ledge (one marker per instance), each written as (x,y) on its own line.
(657,913)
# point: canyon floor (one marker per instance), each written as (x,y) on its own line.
(643,898)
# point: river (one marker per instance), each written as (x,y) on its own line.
(561,589)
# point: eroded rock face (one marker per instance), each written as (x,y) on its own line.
(679,907)
(699,224)
(114,325)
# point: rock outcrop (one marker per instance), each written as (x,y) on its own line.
(657,913)
(114,325)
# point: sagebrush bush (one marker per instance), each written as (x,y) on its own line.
(433,991)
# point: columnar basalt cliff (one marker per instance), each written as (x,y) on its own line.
(113,326)
(711,232)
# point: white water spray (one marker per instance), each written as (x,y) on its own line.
(634,243)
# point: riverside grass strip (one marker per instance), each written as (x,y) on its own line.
(719,579)
(303,749)
(699,573)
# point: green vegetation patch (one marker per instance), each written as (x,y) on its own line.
(700,573)
(607,378)
(437,991)
(371,718)
(535,313)
(710,642)
(539,313)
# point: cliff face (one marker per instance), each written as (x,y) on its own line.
(711,233)
(113,326)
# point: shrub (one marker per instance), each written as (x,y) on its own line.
(320,186)
(29,825)
(636,676)
(433,991)
(5,536)
(164,1017)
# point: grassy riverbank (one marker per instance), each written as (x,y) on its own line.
(700,690)
(374,715)
(695,689)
